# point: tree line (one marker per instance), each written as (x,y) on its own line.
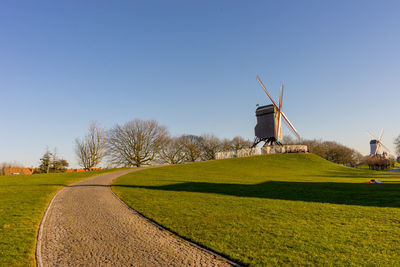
(330,150)
(138,142)
(143,142)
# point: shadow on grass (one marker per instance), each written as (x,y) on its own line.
(363,174)
(379,195)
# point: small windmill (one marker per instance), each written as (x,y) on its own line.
(376,144)
(269,121)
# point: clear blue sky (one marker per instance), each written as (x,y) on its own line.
(191,65)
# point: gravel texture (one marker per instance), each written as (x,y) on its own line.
(87,225)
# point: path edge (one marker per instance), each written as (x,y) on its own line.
(38,247)
(38,250)
(159,226)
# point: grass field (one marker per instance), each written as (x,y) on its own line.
(365,166)
(291,209)
(23,200)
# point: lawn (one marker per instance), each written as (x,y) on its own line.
(365,166)
(288,209)
(23,201)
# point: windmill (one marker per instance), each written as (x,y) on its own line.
(269,121)
(376,144)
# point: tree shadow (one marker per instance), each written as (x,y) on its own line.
(378,195)
(365,174)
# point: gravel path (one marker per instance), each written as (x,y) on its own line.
(87,225)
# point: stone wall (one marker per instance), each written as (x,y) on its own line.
(247,152)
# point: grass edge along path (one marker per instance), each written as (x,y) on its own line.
(291,209)
(23,202)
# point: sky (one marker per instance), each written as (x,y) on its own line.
(192,66)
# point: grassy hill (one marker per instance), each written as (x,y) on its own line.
(287,209)
(23,201)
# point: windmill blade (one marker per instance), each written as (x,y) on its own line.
(280,97)
(380,136)
(372,135)
(385,147)
(270,97)
(290,125)
(279,130)
(378,148)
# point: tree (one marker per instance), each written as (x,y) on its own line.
(334,152)
(288,140)
(226,145)
(379,163)
(210,145)
(173,151)
(59,165)
(51,163)
(397,145)
(90,150)
(239,142)
(45,160)
(191,147)
(136,143)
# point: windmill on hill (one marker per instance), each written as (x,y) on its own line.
(269,121)
(375,145)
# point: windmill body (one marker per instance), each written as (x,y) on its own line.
(374,145)
(267,127)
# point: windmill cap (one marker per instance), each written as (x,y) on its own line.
(265,110)
(373,142)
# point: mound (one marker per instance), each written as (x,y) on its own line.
(295,209)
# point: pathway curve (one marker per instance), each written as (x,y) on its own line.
(87,225)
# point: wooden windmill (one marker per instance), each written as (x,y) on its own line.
(269,121)
(376,143)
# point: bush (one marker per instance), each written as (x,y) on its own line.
(379,163)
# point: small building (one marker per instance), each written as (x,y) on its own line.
(17,171)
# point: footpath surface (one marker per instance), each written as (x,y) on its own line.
(87,225)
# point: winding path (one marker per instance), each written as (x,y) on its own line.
(87,225)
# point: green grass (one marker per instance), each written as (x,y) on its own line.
(365,166)
(23,201)
(291,209)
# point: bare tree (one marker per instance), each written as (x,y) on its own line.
(210,145)
(226,145)
(397,145)
(173,151)
(288,140)
(90,150)
(239,142)
(334,152)
(191,146)
(136,143)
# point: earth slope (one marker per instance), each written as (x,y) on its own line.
(292,209)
